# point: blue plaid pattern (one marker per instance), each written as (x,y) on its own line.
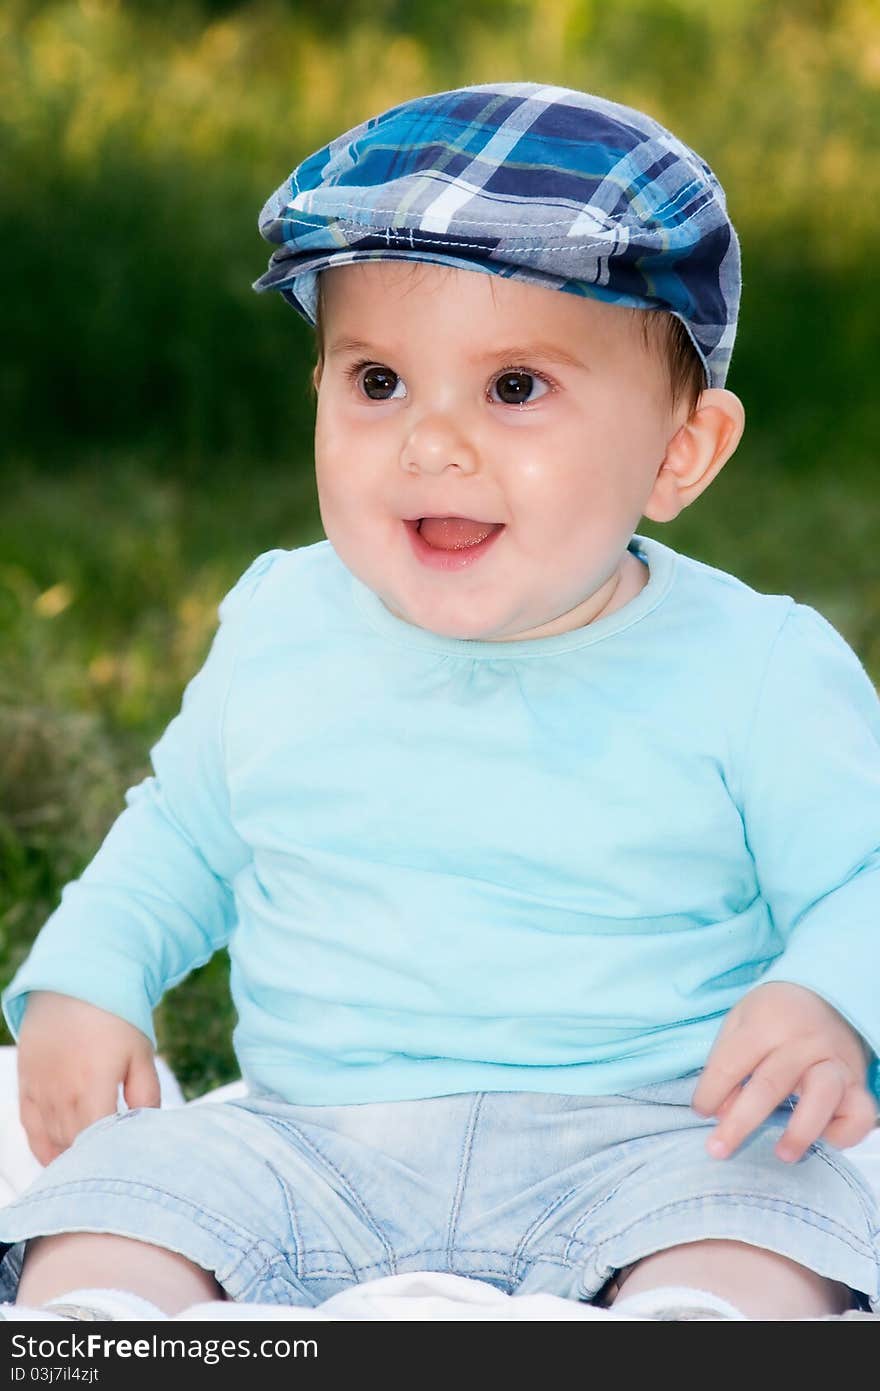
(538,183)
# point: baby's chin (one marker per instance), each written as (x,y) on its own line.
(442,625)
(422,603)
(468,624)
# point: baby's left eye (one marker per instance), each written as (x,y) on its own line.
(516,388)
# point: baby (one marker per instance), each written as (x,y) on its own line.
(547,858)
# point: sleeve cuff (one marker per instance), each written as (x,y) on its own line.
(69,976)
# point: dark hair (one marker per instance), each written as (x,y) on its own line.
(666,335)
(662,333)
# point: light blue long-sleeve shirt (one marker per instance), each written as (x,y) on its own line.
(447,865)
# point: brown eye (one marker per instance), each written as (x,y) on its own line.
(380,384)
(516,388)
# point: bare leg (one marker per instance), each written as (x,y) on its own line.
(760,1283)
(55,1265)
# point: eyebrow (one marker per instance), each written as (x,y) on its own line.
(551,352)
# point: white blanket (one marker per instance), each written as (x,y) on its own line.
(420,1296)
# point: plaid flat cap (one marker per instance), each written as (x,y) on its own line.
(538,183)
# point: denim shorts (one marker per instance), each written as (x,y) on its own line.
(531,1192)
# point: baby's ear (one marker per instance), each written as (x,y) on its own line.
(696,453)
(317,373)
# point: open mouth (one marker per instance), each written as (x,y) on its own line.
(451,543)
(454,533)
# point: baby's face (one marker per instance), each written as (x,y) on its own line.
(454,394)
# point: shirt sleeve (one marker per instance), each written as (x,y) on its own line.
(810,799)
(155,902)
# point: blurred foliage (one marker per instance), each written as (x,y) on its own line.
(141,141)
(156,412)
(93,668)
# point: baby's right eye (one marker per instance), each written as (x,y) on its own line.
(379,383)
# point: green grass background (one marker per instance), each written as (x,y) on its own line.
(156,417)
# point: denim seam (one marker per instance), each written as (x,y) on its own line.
(294,1224)
(503,1271)
(870,1214)
(519,1253)
(439,1251)
(354,1198)
(267,1270)
(573,1238)
(146,1192)
(205,1220)
(281,1261)
(258,1276)
(463,1164)
(783,1206)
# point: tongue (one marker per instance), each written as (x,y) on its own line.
(451,533)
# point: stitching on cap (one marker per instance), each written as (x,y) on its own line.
(617,218)
(453,245)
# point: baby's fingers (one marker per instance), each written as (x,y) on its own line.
(856,1117)
(822,1092)
(52,1126)
(769,1084)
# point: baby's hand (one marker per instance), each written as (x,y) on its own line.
(790,1040)
(71,1058)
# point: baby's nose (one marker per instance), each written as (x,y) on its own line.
(436,443)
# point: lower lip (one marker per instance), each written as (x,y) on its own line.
(459,559)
